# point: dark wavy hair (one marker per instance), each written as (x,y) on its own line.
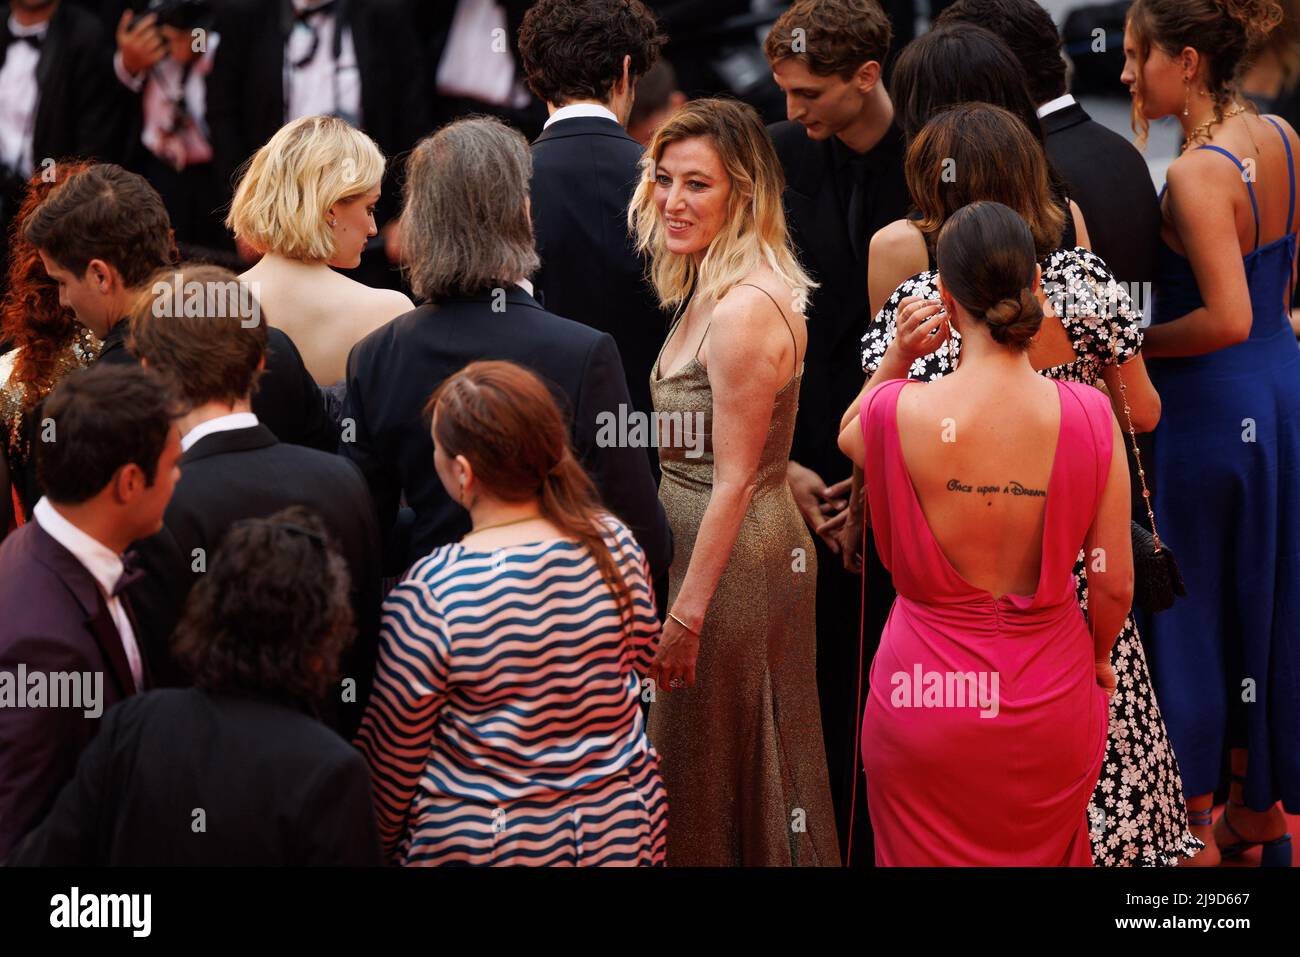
(1027,30)
(271,617)
(574,49)
(104,212)
(30,316)
(1226,33)
(836,38)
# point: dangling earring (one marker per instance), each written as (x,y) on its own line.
(1187,94)
(952,343)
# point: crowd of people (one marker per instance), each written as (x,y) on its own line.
(383,487)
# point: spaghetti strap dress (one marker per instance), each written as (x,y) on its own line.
(1226,659)
(741,752)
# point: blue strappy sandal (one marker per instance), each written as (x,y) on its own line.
(1274,853)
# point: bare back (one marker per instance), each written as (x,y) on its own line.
(323,312)
(981,461)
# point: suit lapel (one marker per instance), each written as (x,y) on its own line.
(85,590)
(110,643)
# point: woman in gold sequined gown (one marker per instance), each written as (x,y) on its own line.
(47,343)
(735,717)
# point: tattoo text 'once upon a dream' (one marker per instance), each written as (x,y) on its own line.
(1009,488)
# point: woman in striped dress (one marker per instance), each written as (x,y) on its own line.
(505,724)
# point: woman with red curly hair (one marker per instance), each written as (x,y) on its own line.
(46,344)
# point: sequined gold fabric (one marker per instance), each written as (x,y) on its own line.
(14,410)
(741,753)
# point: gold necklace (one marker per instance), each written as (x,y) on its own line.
(513,521)
(1203,129)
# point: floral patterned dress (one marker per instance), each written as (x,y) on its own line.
(1137,813)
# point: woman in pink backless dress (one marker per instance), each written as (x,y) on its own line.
(985,722)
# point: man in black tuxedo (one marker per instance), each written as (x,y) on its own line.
(843,161)
(1105,173)
(108,468)
(57,98)
(234,468)
(279,60)
(105,235)
(585,168)
(469,251)
(471,69)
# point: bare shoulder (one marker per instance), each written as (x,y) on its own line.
(377,304)
(1198,169)
(749,311)
(1287,129)
(896,252)
(901,234)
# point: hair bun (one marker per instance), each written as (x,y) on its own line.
(1258,18)
(1015,320)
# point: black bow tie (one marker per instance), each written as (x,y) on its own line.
(34,40)
(131,572)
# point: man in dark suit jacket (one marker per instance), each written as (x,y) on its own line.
(105,235)
(77,111)
(233,771)
(473,265)
(585,168)
(1105,173)
(843,161)
(235,469)
(66,625)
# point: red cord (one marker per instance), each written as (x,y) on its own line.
(857,712)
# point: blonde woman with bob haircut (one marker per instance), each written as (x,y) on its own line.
(306,202)
(736,718)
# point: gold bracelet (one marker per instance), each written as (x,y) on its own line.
(684,625)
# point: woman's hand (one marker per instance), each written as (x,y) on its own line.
(1106,677)
(920,327)
(678,650)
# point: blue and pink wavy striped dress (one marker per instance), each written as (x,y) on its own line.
(505,724)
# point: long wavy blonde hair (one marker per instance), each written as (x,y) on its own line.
(754,230)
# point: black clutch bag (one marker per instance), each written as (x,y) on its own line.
(1156,578)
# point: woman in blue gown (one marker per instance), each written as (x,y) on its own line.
(1226,658)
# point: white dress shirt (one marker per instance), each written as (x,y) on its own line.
(19,98)
(222,423)
(190,144)
(1051,106)
(579,109)
(477,62)
(104,565)
(321,87)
